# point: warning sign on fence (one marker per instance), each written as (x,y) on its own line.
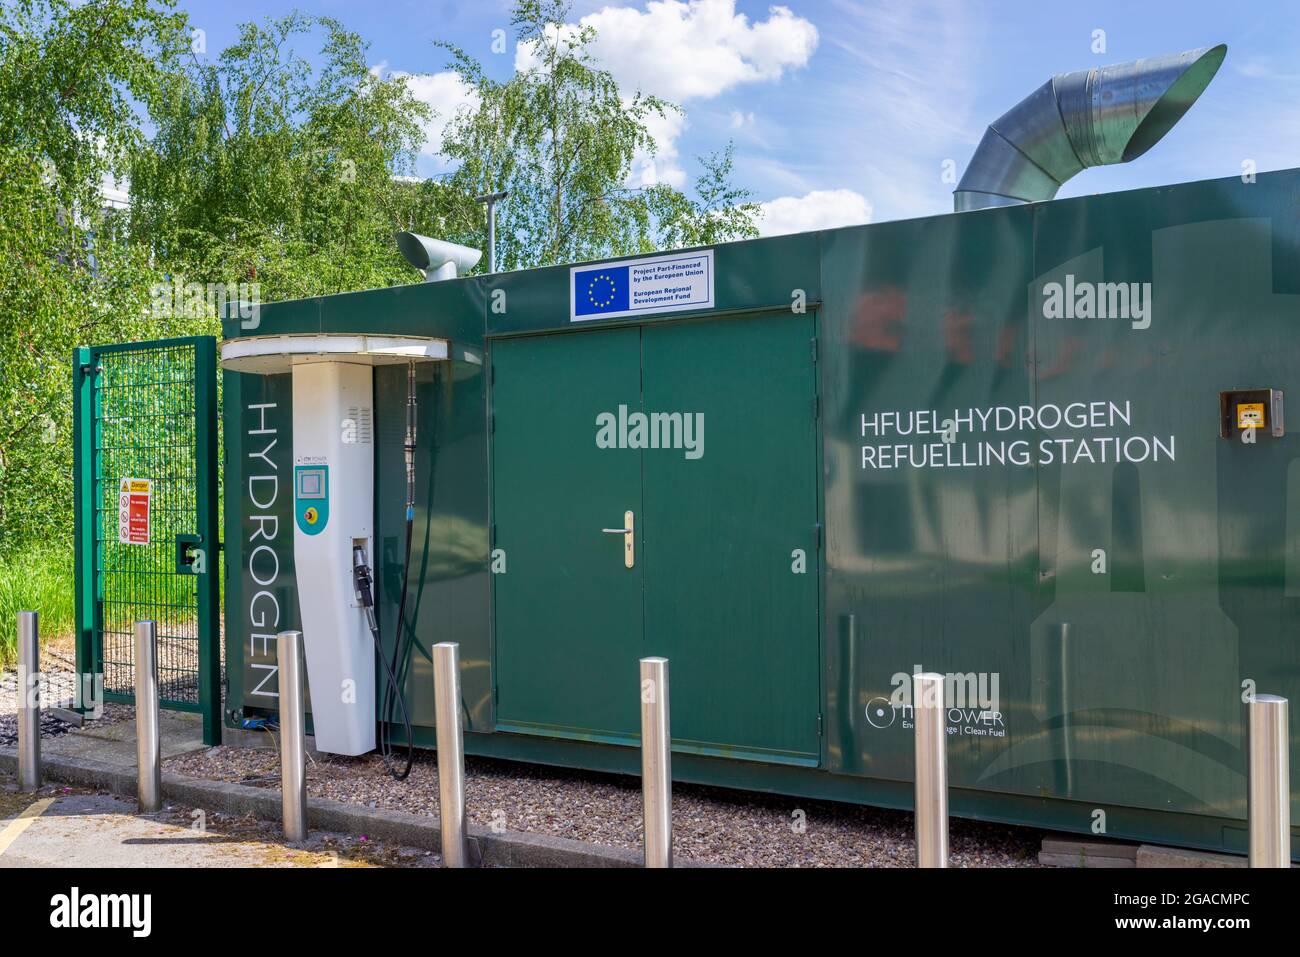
(133,501)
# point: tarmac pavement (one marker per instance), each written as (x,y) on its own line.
(75,827)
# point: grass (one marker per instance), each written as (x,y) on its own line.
(38,579)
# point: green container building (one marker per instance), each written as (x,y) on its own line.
(1004,445)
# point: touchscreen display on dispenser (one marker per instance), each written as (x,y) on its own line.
(311,484)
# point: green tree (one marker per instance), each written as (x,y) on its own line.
(261,167)
(72,76)
(561,137)
(720,211)
(265,168)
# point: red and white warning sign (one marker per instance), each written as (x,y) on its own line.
(133,499)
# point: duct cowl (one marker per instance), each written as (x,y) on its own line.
(437,258)
(1096,117)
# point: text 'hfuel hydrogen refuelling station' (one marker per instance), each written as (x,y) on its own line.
(1036,446)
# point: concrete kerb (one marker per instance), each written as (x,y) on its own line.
(506,849)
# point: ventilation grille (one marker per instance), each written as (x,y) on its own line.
(360,417)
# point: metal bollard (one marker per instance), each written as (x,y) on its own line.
(928,716)
(656,763)
(1270,783)
(293,736)
(29,701)
(148,741)
(451,754)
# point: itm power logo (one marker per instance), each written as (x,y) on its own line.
(76,910)
(971,703)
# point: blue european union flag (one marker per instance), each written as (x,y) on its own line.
(600,289)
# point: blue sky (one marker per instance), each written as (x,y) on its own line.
(844,111)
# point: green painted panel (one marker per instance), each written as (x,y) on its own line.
(261,581)
(729,531)
(451,308)
(568,612)
(447,596)
(1193,599)
(931,552)
(279,318)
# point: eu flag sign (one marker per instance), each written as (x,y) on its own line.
(669,283)
(600,290)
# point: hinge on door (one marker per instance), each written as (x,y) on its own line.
(817,536)
(819,725)
(813,343)
(817,407)
(496,695)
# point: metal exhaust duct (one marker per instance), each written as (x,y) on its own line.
(437,258)
(1098,117)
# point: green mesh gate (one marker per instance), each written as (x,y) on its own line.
(146,519)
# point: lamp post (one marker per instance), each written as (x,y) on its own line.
(491,199)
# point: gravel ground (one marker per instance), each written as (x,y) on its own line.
(711,825)
(58,683)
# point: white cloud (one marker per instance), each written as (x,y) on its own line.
(662,166)
(739,119)
(446,93)
(820,209)
(695,49)
(684,51)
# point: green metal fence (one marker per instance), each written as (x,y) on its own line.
(146,518)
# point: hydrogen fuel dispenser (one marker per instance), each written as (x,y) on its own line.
(334,501)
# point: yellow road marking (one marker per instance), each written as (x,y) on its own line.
(22,822)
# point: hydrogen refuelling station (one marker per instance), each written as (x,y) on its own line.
(1037,446)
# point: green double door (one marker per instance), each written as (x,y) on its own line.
(724,567)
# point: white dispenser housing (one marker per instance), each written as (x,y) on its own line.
(334,507)
(333,510)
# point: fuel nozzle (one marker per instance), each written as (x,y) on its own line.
(361,581)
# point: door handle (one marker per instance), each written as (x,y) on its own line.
(628,531)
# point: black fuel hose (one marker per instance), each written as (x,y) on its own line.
(397,670)
(365,590)
(395,682)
